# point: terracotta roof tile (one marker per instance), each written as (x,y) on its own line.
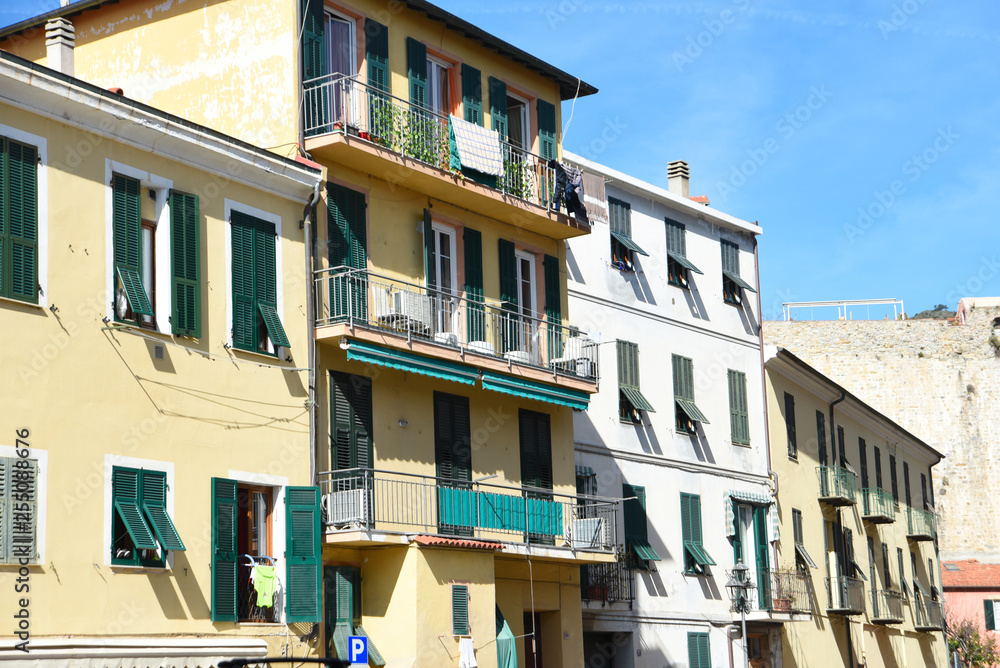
(701,199)
(970,575)
(468,543)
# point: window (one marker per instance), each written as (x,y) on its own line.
(444,271)
(892,476)
(731,281)
(242,519)
(739,416)
(472,94)
(518,124)
(350,422)
(622,246)
(460,610)
(902,573)
(519,301)
(19,238)
(630,399)
(343,612)
(133,268)
(453,456)
(536,449)
(687,413)
(19,510)
(142,531)
(802,557)
(821,437)
(253,543)
(750,545)
(256,323)
(586,481)
(678,265)
(698,651)
(989,614)
(696,557)
(636,531)
(438,98)
(923,490)
(793,448)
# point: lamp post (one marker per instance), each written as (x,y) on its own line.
(740,586)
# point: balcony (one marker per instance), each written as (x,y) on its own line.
(920,524)
(887,606)
(845,596)
(789,592)
(250,609)
(837,485)
(608,583)
(486,334)
(388,502)
(366,128)
(928,615)
(879,506)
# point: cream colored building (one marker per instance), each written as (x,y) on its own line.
(856,522)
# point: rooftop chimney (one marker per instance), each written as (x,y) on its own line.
(60,38)
(63,3)
(679,178)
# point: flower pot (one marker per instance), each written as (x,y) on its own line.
(782,604)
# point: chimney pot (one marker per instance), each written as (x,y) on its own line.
(60,40)
(679,178)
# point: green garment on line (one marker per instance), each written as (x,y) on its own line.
(506,643)
(263,584)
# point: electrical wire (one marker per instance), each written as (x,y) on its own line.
(571,110)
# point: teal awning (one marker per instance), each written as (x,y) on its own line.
(636,398)
(684,262)
(629,244)
(584,471)
(735,278)
(406,361)
(692,411)
(528,389)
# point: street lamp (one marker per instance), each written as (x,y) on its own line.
(740,586)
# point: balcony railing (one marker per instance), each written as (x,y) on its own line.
(363,299)
(879,506)
(789,591)
(928,615)
(250,608)
(845,595)
(887,606)
(608,583)
(920,524)
(341,104)
(837,485)
(396,502)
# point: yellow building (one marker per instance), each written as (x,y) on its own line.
(446,370)
(152,457)
(858,535)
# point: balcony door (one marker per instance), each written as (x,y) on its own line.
(446,272)
(750,546)
(527,305)
(341,60)
(453,458)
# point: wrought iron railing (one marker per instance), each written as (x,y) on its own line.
(341,104)
(879,505)
(845,595)
(837,484)
(789,591)
(928,615)
(609,582)
(251,608)
(920,524)
(887,606)
(484,327)
(396,502)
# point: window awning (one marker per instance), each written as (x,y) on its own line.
(698,553)
(804,555)
(135,524)
(163,527)
(691,410)
(135,293)
(629,244)
(735,278)
(273,324)
(684,262)
(636,398)
(584,471)
(528,389)
(405,361)
(751,497)
(642,548)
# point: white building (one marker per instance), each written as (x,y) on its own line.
(666,287)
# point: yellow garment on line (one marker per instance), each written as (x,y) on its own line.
(263,584)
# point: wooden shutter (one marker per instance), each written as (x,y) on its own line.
(797,526)
(126,489)
(553,301)
(346,227)
(377,54)
(635,511)
(793,446)
(628,364)
(508,272)
(704,655)
(683,373)
(878,467)
(460,610)
(988,613)
(761,554)
(498,107)
(244,302)
(906,483)
(738,411)
(22,222)
(430,271)
(476,313)
(536,449)
(893,479)
(154,505)
(676,243)
(694,658)
(694,521)
(302,554)
(185,263)
(737,532)
(863,452)
(351,421)
(416,65)
(313,43)
(224,519)
(546,129)
(127,222)
(472,94)
(452,437)
(4,232)
(923,489)
(821,437)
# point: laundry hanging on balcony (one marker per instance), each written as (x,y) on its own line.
(466,653)
(594,198)
(506,643)
(474,148)
(569,187)
(263,579)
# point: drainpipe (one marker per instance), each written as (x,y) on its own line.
(840,522)
(307,223)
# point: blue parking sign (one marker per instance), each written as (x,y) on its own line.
(357,649)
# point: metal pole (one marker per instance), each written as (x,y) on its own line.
(746,653)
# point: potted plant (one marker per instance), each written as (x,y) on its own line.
(782,597)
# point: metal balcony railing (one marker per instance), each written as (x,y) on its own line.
(837,485)
(845,595)
(397,502)
(608,583)
(887,606)
(341,104)
(928,615)
(920,524)
(250,609)
(879,506)
(789,591)
(485,327)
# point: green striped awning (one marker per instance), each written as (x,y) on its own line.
(405,361)
(629,244)
(528,389)
(691,410)
(752,497)
(636,398)
(735,278)
(643,549)
(684,262)
(584,471)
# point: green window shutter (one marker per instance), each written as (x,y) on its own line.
(346,227)
(185,267)
(793,448)
(683,373)
(704,653)
(244,301)
(546,129)
(906,484)
(686,529)
(620,215)
(730,257)
(154,505)
(553,303)
(821,437)
(302,554)
(5,500)
(863,456)
(797,526)
(4,260)
(21,228)
(878,466)
(498,107)
(264,242)
(737,534)
(472,94)
(536,449)
(893,480)
(224,518)
(416,65)
(988,612)
(313,43)
(476,314)
(430,273)
(635,512)
(126,489)
(628,364)
(377,54)
(343,595)
(676,242)
(508,273)
(351,421)
(699,655)
(695,509)
(127,228)
(273,323)
(460,610)
(452,437)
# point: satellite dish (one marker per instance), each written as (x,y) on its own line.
(121,304)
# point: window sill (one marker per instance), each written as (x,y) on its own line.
(260,624)
(11,300)
(122,569)
(742,445)
(256,353)
(793,458)
(13,567)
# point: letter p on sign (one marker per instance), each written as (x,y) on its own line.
(357,651)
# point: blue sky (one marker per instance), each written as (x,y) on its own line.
(864,139)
